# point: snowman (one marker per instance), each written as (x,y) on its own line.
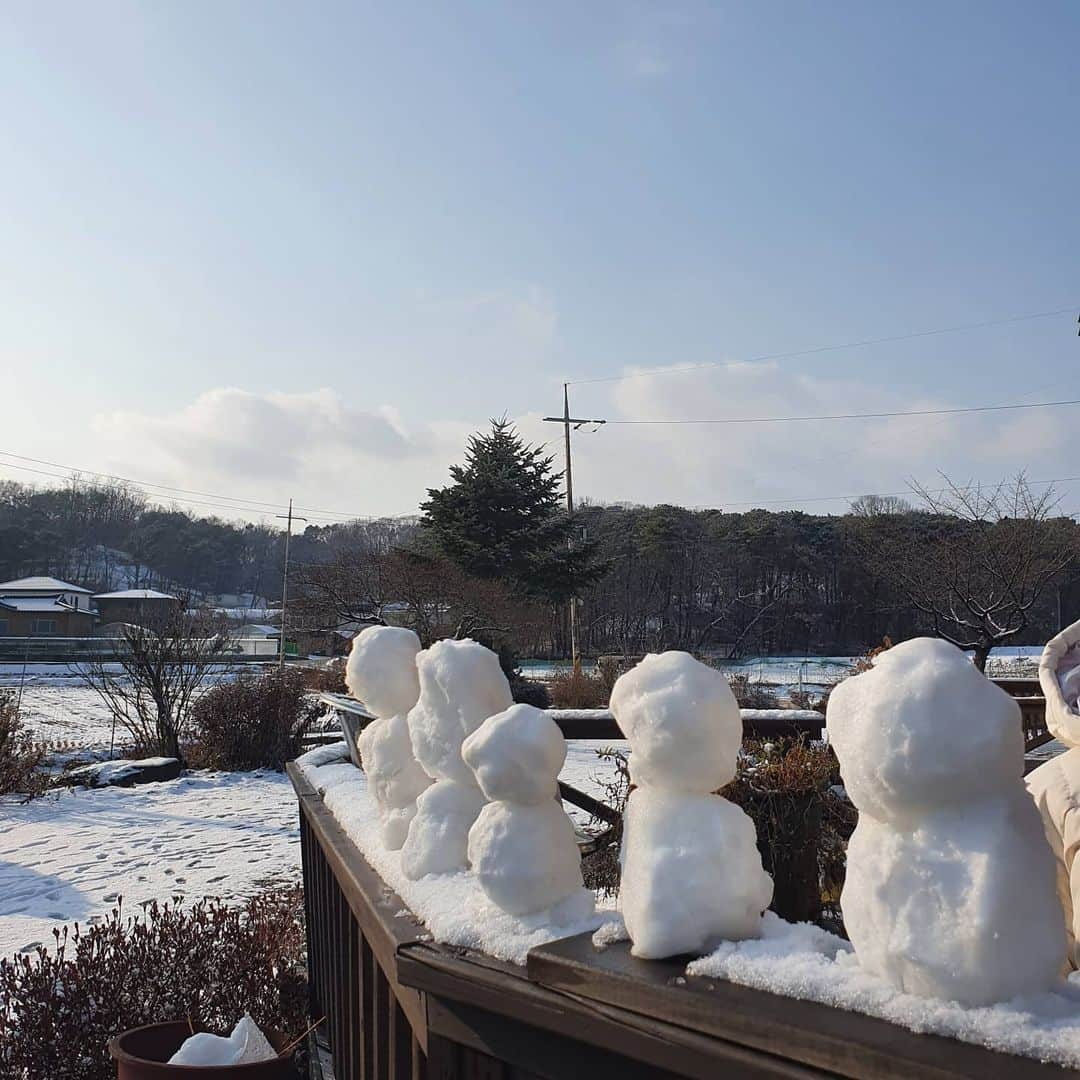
(381,672)
(950,889)
(461,685)
(691,872)
(522,847)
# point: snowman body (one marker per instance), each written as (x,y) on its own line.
(522,846)
(461,685)
(691,871)
(381,672)
(950,890)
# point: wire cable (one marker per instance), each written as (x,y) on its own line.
(249,505)
(958,329)
(858,416)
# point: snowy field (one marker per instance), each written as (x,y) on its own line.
(68,856)
(787,673)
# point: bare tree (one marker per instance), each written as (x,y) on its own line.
(976,561)
(157,672)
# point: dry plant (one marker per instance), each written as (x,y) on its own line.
(578,689)
(977,562)
(255,722)
(600,868)
(163,668)
(211,962)
(783,785)
(22,759)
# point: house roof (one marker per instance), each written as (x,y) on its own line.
(36,603)
(134,594)
(257,630)
(40,584)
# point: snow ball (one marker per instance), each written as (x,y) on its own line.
(962,908)
(516,755)
(691,873)
(682,721)
(381,671)
(394,775)
(921,728)
(525,857)
(438,837)
(461,685)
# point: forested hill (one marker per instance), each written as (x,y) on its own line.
(112,537)
(765,582)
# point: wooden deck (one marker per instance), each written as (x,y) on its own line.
(398,1005)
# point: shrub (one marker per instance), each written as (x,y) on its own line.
(328,679)
(600,867)
(252,723)
(784,786)
(21,759)
(579,689)
(751,695)
(211,962)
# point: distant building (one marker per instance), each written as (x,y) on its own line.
(257,639)
(137,606)
(45,607)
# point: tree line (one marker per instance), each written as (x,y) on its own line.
(494,556)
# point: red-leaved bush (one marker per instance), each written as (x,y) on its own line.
(211,962)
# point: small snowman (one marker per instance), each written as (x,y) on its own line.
(461,685)
(381,672)
(522,847)
(950,889)
(691,872)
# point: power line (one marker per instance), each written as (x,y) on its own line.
(857,416)
(154,495)
(879,494)
(239,503)
(960,328)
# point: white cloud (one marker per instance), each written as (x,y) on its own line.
(732,465)
(269,446)
(381,460)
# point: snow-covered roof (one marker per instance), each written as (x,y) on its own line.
(40,584)
(35,603)
(134,594)
(257,630)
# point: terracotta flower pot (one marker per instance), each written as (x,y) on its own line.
(143,1054)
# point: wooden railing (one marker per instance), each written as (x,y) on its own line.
(399,1005)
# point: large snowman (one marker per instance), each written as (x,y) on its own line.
(950,889)
(522,847)
(381,672)
(691,872)
(461,685)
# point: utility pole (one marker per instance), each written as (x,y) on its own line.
(285,581)
(569,422)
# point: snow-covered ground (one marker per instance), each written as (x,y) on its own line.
(71,715)
(68,856)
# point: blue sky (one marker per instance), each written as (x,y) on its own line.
(275,249)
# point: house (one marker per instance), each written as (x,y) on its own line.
(258,639)
(45,607)
(138,606)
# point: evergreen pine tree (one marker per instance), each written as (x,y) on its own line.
(501,518)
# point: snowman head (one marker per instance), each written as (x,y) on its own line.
(516,755)
(461,685)
(381,670)
(923,728)
(682,721)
